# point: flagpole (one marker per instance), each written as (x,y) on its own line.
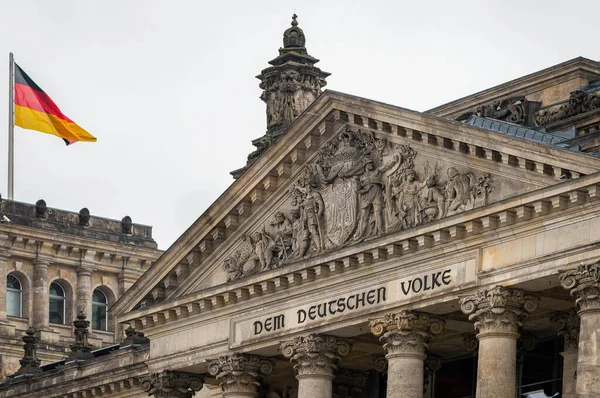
(11,126)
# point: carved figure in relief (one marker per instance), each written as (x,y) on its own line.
(458,189)
(282,236)
(359,187)
(372,199)
(312,206)
(300,236)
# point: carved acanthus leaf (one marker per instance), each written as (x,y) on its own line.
(406,331)
(315,354)
(566,324)
(499,309)
(240,373)
(583,283)
(171,384)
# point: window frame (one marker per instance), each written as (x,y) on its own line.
(13,290)
(62,298)
(97,304)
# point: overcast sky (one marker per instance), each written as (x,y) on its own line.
(168,87)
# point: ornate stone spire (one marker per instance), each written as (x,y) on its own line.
(30,363)
(289,85)
(81,349)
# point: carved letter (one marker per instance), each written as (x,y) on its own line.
(301,316)
(258,327)
(405,291)
(446,277)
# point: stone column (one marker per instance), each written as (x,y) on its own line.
(41,298)
(567,325)
(84,291)
(406,337)
(240,375)
(498,314)
(315,358)
(171,384)
(584,284)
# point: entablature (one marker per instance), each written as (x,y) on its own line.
(443,238)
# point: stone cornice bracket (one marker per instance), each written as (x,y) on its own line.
(240,373)
(566,324)
(583,283)
(171,384)
(499,310)
(406,332)
(315,354)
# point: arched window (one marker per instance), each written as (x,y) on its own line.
(99,310)
(57,304)
(14,296)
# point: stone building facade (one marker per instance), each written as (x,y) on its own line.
(367,250)
(55,264)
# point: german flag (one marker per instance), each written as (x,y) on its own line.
(35,110)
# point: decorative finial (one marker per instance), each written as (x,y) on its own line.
(81,350)
(294,22)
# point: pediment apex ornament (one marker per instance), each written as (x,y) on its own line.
(499,308)
(359,186)
(583,283)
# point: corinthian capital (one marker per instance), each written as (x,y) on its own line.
(499,309)
(584,284)
(315,354)
(566,325)
(240,373)
(406,332)
(171,384)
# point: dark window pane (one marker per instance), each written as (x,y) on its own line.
(56,290)
(57,310)
(99,297)
(99,317)
(12,282)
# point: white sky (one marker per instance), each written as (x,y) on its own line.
(168,87)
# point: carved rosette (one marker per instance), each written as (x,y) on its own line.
(315,354)
(349,383)
(583,283)
(407,332)
(499,310)
(171,384)
(240,373)
(566,325)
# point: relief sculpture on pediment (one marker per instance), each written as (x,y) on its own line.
(359,187)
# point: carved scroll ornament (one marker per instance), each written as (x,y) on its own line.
(359,187)
(579,102)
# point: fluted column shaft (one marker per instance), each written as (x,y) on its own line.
(567,325)
(315,358)
(498,314)
(406,337)
(41,298)
(584,284)
(240,375)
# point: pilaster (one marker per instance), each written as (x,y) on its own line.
(240,375)
(315,358)
(6,329)
(406,337)
(583,283)
(498,314)
(171,384)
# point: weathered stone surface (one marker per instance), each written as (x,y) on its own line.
(171,384)
(240,375)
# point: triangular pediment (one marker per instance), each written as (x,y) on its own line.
(348,170)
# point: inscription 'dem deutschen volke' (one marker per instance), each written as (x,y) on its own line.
(354,302)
